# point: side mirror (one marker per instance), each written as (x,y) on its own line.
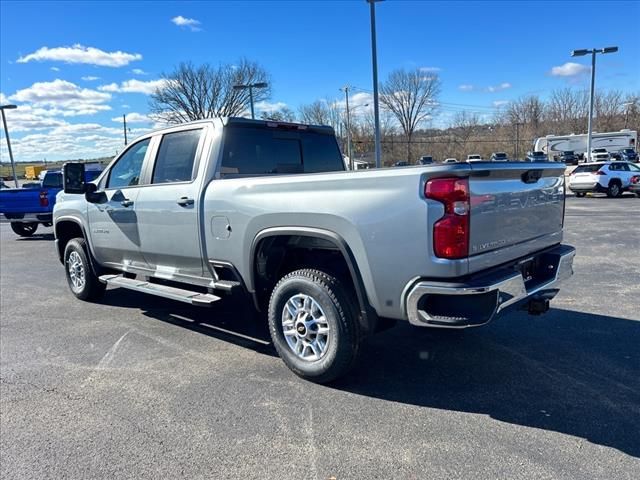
(73,178)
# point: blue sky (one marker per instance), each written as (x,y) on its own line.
(485,53)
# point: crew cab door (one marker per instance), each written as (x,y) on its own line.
(167,209)
(113,224)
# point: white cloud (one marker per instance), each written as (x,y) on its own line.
(80,54)
(134,117)
(134,86)
(90,78)
(466,87)
(64,97)
(569,69)
(55,69)
(190,23)
(499,88)
(139,71)
(430,69)
(25,118)
(500,103)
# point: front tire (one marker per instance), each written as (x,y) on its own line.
(82,280)
(24,229)
(314,325)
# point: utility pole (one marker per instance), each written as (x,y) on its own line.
(124,121)
(518,139)
(345,89)
(374,64)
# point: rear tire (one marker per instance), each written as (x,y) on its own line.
(82,280)
(614,190)
(314,325)
(24,229)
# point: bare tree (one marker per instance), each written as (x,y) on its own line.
(195,92)
(609,111)
(284,114)
(411,97)
(567,110)
(465,125)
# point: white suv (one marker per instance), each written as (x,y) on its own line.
(599,155)
(612,178)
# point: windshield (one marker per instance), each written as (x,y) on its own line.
(568,152)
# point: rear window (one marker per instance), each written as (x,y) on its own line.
(569,152)
(589,168)
(52,180)
(265,151)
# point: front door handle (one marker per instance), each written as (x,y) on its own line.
(126,202)
(185,201)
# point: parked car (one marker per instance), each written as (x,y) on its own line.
(536,157)
(634,185)
(401,164)
(26,208)
(425,160)
(450,160)
(229,207)
(628,155)
(499,157)
(568,156)
(599,155)
(612,178)
(474,157)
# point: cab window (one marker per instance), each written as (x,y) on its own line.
(126,171)
(176,157)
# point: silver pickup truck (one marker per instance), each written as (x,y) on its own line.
(266,210)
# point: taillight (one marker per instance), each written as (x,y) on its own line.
(451,232)
(600,172)
(635,179)
(44,199)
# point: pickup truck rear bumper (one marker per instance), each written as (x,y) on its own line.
(481,297)
(26,217)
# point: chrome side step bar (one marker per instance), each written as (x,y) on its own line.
(179,294)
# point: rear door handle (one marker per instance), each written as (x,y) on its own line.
(126,202)
(185,201)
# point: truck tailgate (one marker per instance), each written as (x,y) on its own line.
(21,200)
(516,209)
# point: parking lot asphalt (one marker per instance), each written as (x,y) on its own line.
(142,387)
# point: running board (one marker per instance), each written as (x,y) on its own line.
(179,294)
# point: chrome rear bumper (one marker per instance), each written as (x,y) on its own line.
(447,305)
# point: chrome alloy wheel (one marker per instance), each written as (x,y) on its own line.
(305,327)
(75,268)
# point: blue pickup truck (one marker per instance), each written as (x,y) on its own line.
(26,208)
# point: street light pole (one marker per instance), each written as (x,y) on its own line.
(250,87)
(580,53)
(6,134)
(374,64)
